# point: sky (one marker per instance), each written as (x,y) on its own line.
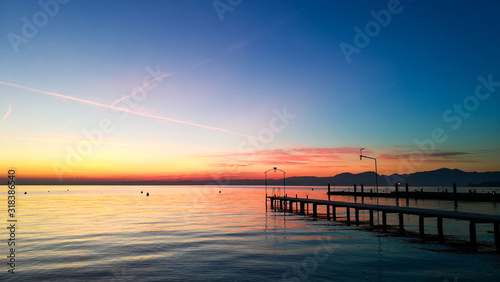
(227,89)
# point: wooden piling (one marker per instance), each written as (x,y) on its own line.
(384,221)
(455,195)
(348,215)
(302,210)
(421,225)
(440,227)
(355,188)
(327,212)
(401,222)
(291,205)
(371,217)
(315,210)
(472,234)
(496,232)
(362,189)
(356,211)
(334,213)
(406,190)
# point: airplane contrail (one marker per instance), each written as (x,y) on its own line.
(8,113)
(140,89)
(123,109)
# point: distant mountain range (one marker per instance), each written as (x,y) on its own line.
(443,177)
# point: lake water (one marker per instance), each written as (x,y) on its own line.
(195,233)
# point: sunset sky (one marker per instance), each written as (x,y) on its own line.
(159,90)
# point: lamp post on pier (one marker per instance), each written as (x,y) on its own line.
(376,172)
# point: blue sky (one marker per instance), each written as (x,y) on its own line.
(233,74)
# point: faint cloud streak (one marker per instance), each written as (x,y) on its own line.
(123,109)
(8,113)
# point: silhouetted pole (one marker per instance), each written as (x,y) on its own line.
(362,189)
(376,171)
(328,188)
(455,195)
(355,188)
(265,174)
(407,199)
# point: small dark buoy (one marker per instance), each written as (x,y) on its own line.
(219,191)
(25,193)
(147,194)
(312,188)
(141,192)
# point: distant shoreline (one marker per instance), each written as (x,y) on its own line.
(443,177)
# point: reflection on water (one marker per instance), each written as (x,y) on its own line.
(194,233)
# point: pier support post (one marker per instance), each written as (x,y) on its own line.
(302,210)
(348,215)
(362,189)
(440,227)
(384,221)
(355,188)
(421,225)
(327,212)
(496,231)
(357,216)
(401,222)
(281,204)
(396,187)
(371,217)
(334,213)
(315,209)
(291,205)
(472,233)
(406,190)
(271,202)
(328,188)
(455,195)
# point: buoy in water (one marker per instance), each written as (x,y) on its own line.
(219,191)
(25,193)
(141,192)
(147,194)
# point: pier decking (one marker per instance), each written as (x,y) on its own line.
(287,203)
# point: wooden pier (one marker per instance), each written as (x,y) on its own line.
(424,195)
(287,204)
(444,195)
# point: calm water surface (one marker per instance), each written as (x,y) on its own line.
(195,233)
